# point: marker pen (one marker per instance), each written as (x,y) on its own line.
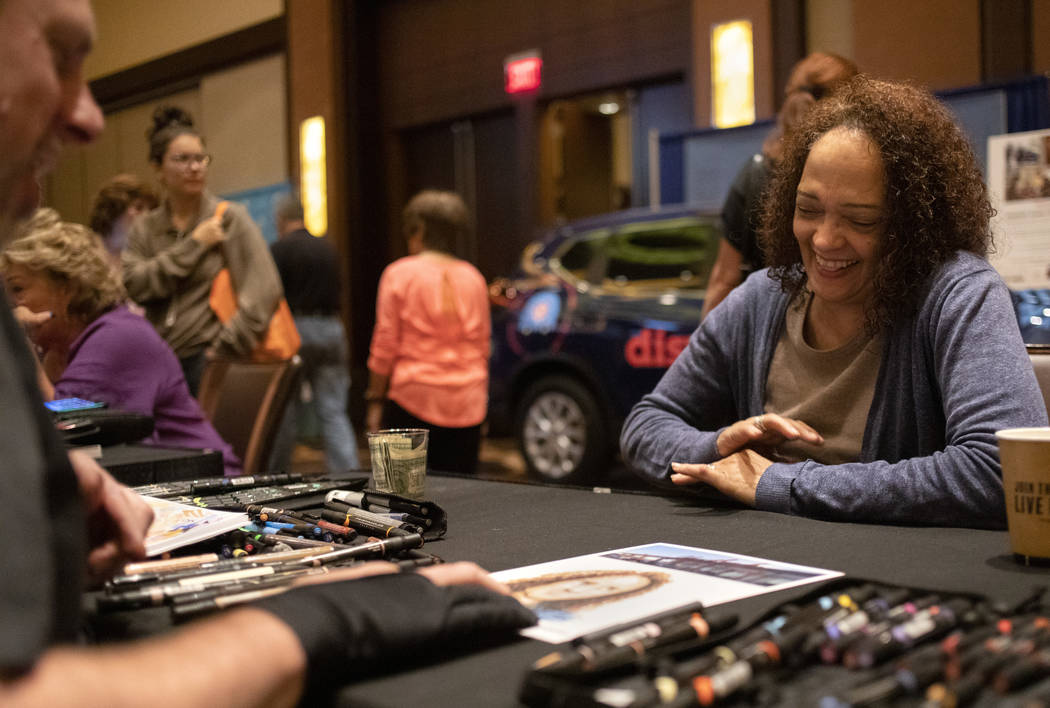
(273,558)
(192,609)
(168,564)
(374,528)
(371,501)
(381,548)
(367,516)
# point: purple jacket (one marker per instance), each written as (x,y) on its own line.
(121,360)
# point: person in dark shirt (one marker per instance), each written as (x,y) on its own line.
(309,269)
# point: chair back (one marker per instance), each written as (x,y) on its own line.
(245,401)
(1040,356)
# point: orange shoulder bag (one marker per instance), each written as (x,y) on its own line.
(281,339)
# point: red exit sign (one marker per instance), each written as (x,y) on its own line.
(521,72)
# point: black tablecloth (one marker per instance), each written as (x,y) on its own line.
(503,525)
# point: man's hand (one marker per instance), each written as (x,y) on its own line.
(462,573)
(735,476)
(118,519)
(459,573)
(764,432)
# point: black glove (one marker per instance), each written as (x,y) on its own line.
(355,627)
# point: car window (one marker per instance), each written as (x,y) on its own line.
(584,257)
(661,255)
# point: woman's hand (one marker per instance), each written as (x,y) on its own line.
(735,476)
(373,416)
(209,232)
(764,432)
(31,320)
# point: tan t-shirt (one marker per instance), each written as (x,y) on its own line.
(831,390)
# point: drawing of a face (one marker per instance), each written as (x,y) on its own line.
(582,589)
(588,587)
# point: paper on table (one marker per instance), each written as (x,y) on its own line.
(577,596)
(176,525)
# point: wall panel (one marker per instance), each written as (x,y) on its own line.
(131,33)
(444,58)
(933,42)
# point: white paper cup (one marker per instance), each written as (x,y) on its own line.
(1025,457)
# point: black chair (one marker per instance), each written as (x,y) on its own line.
(245,401)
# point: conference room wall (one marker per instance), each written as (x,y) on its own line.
(133,33)
(240,111)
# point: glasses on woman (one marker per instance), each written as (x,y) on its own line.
(187,160)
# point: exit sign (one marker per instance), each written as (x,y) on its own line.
(521,72)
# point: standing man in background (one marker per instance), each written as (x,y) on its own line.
(309,268)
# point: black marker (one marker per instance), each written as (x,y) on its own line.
(384,530)
(381,548)
(373,502)
(625,645)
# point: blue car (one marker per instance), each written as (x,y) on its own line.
(596,313)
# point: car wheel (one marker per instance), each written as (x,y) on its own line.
(561,431)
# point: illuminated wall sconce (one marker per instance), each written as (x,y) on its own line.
(732,74)
(313,182)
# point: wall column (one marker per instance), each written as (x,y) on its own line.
(317,87)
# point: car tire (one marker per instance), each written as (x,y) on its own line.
(561,431)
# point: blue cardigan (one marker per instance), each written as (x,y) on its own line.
(951,375)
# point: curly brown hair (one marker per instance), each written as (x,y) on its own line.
(936,200)
(114,198)
(67,253)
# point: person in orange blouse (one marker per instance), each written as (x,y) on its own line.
(428,362)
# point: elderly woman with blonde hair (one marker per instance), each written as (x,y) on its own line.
(89,345)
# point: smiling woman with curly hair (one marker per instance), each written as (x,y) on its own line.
(862,376)
(940,205)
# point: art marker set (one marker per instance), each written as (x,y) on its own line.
(207,582)
(890,646)
(289,533)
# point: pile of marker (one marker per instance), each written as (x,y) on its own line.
(928,650)
(278,550)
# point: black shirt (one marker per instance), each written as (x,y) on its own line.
(742,212)
(309,268)
(42,527)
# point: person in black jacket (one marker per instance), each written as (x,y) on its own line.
(309,268)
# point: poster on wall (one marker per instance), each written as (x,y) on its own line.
(1019,186)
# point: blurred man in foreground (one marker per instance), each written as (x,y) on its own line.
(63,515)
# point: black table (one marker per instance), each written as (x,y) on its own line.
(134,464)
(503,525)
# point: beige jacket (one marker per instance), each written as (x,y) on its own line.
(170,275)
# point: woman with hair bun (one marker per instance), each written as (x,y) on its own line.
(175,251)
